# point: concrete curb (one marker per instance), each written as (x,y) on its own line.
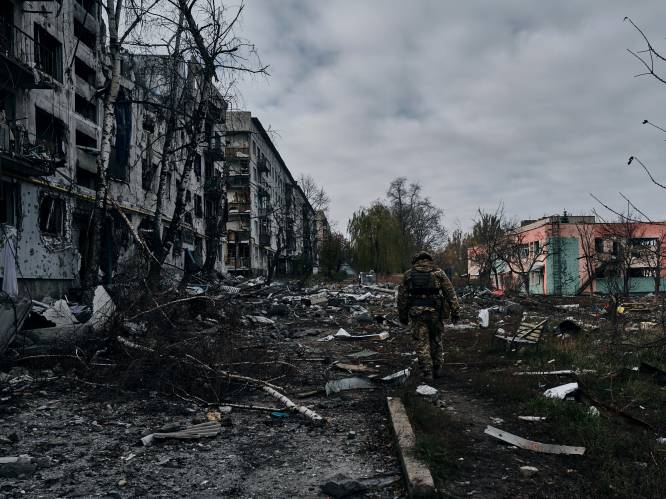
(417,475)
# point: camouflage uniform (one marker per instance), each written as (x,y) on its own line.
(425,299)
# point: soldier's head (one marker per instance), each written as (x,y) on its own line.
(421,256)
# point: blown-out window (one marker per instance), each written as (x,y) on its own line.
(52,215)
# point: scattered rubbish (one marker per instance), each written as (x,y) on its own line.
(555,373)
(15,466)
(351,435)
(661,440)
(355,368)
(527,334)
(355,383)
(103,308)
(344,335)
(208,429)
(528,471)
(560,392)
(531,445)
(214,416)
(362,354)
(318,299)
(569,306)
(276,414)
(484,317)
(341,486)
(497,420)
(259,319)
(426,390)
(367,278)
(13,314)
(232,290)
(532,418)
(593,411)
(60,314)
(398,378)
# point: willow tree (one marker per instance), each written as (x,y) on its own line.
(376,239)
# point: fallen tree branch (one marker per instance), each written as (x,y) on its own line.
(310,414)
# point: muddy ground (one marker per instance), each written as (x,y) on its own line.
(85,428)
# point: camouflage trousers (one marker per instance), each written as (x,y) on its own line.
(427,329)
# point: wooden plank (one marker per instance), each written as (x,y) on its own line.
(523,443)
(417,475)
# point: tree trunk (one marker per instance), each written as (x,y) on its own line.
(108,133)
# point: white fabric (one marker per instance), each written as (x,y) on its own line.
(9,283)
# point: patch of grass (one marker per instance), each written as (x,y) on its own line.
(437,436)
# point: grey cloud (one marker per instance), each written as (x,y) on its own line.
(531,103)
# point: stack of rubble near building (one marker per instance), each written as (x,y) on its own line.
(50,131)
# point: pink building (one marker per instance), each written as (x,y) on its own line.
(568,255)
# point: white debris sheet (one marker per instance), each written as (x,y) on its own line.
(560,392)
(355,383)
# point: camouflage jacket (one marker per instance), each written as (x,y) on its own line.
(449,301)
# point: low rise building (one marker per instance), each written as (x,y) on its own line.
(568,255)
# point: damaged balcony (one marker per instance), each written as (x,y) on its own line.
(214,185)
(238,211)
(22,56)
(239,181)
(19,155)
(262,165)
(215,149)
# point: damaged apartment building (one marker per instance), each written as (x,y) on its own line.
(271,221)
(50,117)
(569,255)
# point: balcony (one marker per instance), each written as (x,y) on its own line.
(237,153)
(262,166)
(215,149)
(19,155)
(263,192)
(17,53)
(238,237)
(213,185)
(264,239)
(239,181)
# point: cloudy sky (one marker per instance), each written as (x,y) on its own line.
(529,103)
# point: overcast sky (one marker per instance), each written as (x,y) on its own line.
(533,104)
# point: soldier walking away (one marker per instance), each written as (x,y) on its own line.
(426,299)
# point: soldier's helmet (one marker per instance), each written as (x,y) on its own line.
(421,255)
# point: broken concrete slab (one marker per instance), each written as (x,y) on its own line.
(523,443)
(355,383)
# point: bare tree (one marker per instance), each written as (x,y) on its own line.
(521,256)
(487,237)
(419,219)
(205,56)
(587,236)
(118,15)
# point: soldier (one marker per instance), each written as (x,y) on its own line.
(425,299)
